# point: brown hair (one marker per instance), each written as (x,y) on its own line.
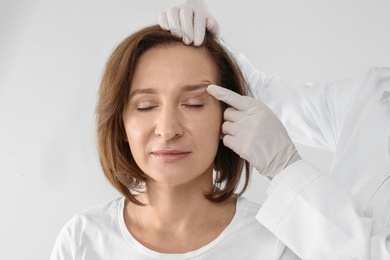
(116,159)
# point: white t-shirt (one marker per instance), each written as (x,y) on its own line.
(101,233)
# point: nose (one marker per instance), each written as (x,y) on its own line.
(168,125)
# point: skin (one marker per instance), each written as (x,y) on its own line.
(173,127)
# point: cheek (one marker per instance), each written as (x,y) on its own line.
(210,124)
(217,117)
(136,131)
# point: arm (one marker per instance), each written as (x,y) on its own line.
(312,114)
(318,219)
(309,212)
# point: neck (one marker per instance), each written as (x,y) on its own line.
(176,206)
(178,218)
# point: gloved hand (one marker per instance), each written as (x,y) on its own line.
(255,133)
(189,21)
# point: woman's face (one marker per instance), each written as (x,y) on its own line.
(172,125)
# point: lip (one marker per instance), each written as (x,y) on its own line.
(170,155)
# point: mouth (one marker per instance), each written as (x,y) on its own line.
(170,155)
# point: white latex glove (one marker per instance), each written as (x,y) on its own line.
(255,133)
(189,21)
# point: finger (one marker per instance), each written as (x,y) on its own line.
(232,115)
(231,98)
(231,142)
(199,29)
(213,26)
(174,21)
(229,128)
(186,16)
(163,21)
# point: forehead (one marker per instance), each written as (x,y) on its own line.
(176,64)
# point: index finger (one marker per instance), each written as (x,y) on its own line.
(231,98)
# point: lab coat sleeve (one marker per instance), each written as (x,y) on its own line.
(317,219)
(312,114)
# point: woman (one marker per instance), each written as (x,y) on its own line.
(160,145)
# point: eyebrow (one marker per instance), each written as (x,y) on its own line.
(195,87)
(186,88)
(142,91)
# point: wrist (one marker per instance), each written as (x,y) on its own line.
(294,158)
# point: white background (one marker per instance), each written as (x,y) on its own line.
(52,54)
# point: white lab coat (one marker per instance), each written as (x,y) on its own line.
(345,215)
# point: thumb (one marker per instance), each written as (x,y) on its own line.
(231,98)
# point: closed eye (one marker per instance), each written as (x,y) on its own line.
(193,105)
(145,109)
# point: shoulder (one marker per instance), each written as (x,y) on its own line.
(247,207)
(92,228)
(103,216)
(102,209)
(379,70)
(246,215)
(249,234)
(376,78)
